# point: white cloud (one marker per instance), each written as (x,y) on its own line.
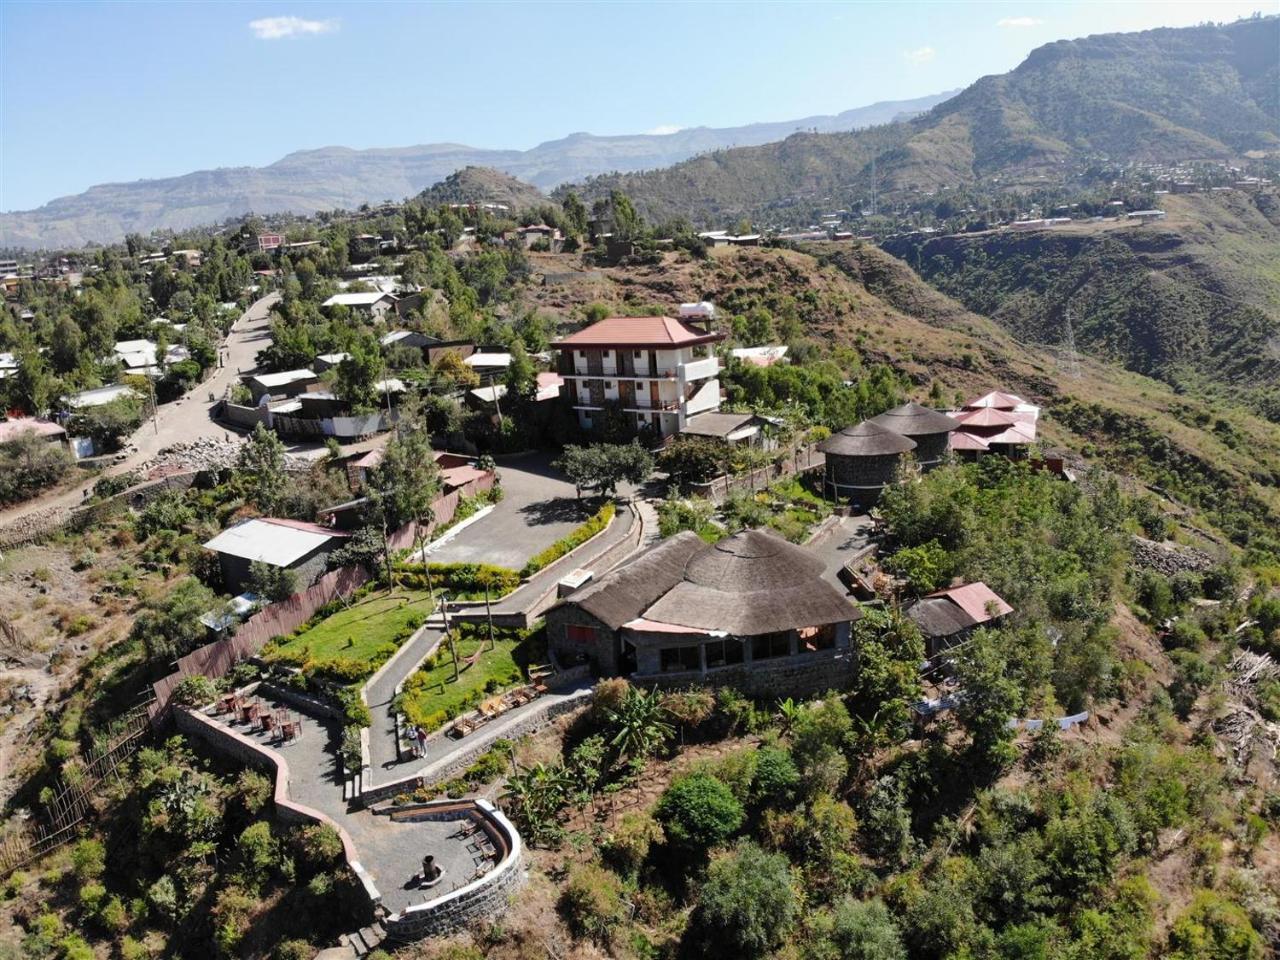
(664,129)
(1019,23)
(922,55)
(276,28)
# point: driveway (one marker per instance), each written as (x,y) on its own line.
(538,507)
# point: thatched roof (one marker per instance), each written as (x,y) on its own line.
(751,583)
(913,420)
(867,439)
(624,593)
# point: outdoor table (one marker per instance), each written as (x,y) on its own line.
(289,730)
(268,722)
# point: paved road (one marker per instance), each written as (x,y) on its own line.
(185,419)
(841,544)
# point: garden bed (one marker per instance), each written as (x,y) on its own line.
(432,697)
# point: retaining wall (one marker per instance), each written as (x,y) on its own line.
(487,896)
(803,675)
(477,745)
(228,741)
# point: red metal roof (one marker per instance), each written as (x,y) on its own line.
(13,429)
(973,599)
(986,417)
(639,332)
(996,399)
(966,441)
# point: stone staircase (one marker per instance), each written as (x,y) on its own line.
(357,944)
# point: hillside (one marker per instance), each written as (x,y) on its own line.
(1193,300)
(334,177)
(856,296)
(1207,92)
(480,184)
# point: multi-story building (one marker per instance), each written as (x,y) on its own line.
(659,370)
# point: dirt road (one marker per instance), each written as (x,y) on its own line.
(188,418)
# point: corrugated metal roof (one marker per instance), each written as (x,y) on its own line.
(973,599)
(272,540)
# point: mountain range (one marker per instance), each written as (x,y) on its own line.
(327,178)
(1206,92)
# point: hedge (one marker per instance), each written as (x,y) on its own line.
(461,579)
(577,538)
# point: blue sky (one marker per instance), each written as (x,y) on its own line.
(100,92)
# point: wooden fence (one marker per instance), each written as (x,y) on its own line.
(216,659)
(71,798)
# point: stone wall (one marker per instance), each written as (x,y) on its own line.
(602,655)
(485,897)
(803,675)
(537,718)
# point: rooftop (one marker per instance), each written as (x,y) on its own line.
(866,439)
(11,430)
(272,540)
(356,299)
(284,378)
(914,420)
(719,425)
(658,332)
(751,583)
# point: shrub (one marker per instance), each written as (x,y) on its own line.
(865,930)
(627,847)
(91,896)
(258,852)
(592,902)
(698,812)
(776,777)
(1211,928)
(319,847)
(293,950)
(195,691)
(113,916)
(162,898)
(748,902)
(88,859)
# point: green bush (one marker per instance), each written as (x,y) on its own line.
(592,902)
(1214,928)
(698,812)
(748,902)
(195,691)
(88,859)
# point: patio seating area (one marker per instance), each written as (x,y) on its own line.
(494,708)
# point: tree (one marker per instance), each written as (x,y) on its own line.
(640,723)
(626,222)
(748,902)
(451,370)
(1214,928)
(170,626)
(272,582)
(29,464)
(865,930)
(693,460)
(698,812)
(357,375)
(988,699)
(260,466)
(603,466)
(109,423)
(575,213)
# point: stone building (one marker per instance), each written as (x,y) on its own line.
(290,544)
(929,429)
(861,461)
(751,611)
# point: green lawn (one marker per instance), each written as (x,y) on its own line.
(358,632)
(432,697)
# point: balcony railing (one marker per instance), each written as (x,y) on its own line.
(700,369)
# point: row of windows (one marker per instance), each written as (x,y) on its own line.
(724,653)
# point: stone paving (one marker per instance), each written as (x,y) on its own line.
(390,851)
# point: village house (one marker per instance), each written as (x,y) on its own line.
(375,304)
(861,461)
(746,429)
(138,357)
(288,544)
(948,616)
(99,396)
(751,611)
(17,428)
(995,422)
(659,370)
(928,429)
(282,385)
(526,238)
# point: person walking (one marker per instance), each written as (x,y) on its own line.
(422,742)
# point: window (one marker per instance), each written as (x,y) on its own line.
(817,638)
(679,659)
(636,353)
(608,384)
(769,645)
(578,634)
(724,653)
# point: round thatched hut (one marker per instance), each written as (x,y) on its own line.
(928,428)
(862,460)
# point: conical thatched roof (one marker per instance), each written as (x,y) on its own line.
(867,439)
(913,420)
(623,594)
(751,583)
